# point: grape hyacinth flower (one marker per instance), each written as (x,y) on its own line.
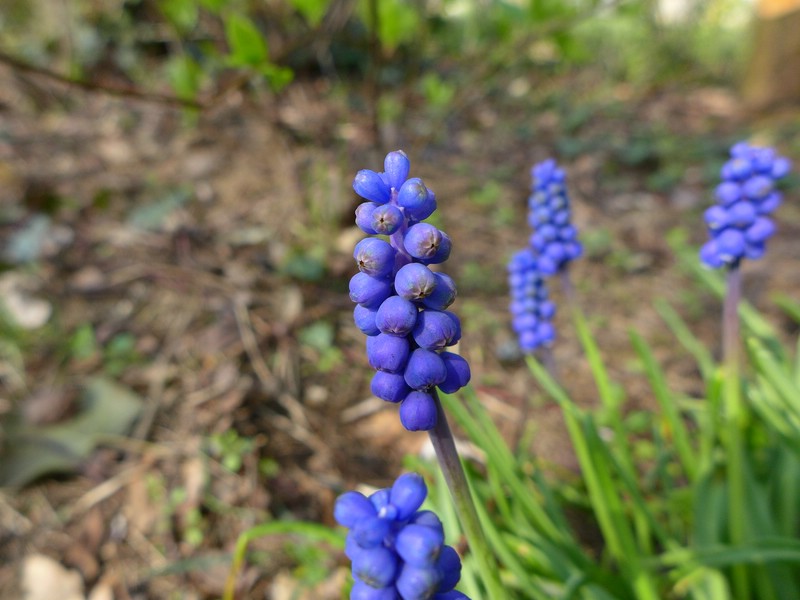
(531,311)
(554,238)
(397,550)
(402,303)
(739,223)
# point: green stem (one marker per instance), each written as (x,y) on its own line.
(734,420)
(450,463)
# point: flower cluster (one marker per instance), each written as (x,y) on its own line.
(738,223)
(397,550)
(554,238)
(531,311)
(401,302)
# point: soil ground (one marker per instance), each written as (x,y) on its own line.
(221,244)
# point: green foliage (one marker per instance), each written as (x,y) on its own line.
(193,44)
(105,409)
(398,21)
(185,76)
(182,14)
(663,513)
(312,10)
(230,449)
(246,44)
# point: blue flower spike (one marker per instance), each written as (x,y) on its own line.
(401,300)
(554,239)
(531,311)
(397,551)
(739,224)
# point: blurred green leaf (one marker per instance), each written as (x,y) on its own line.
(26,244)
(277,77)
(83,344)
(184,76)
(213,5)
(181,13)
(304,267)
(248,48)
(312,10)
(153,215)
(106,409)
(318,335)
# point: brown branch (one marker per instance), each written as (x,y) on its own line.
(112,90)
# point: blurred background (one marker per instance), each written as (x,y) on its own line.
(178,360)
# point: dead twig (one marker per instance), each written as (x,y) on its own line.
(112,90)
(298,426)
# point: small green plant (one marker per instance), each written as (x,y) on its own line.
(230,449)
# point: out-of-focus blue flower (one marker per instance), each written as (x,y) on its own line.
(739,223)
(402,302)
(531,311)
(554,238)
(396,549)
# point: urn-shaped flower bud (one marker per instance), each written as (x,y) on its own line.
(391,387)
(368,291)
(418,412)
(370,532)
(449,564)
(352,507)
(458,372)
(377,568)
(418,583)
(364,212)
(419,546)
(412,194)
(396,316)
(387,352)
(370,186)
(362,591)
(386,219)
(436,329)
(423,241)
(428,518)
(396,166)
(375,257)
(365,320)
(424,370)
(407,494)
(414,281)
(444,293)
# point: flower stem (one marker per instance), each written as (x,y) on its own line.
(568,287)
(734,419)
(450,463)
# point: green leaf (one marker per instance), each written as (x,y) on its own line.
(319,335)
(277,77)
(184,76)
(248,48)
(83,343)
(181,13)
(152,216)
(312,10)
(213,5)
(398,21)
(107,409)
(704,584)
